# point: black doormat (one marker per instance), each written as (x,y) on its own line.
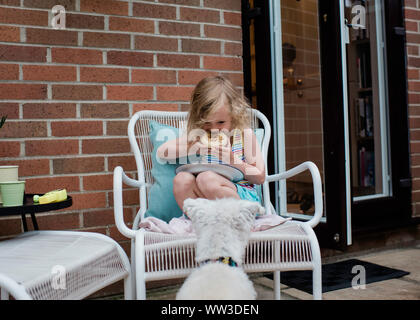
(339,275)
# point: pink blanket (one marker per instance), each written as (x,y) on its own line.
(183,225)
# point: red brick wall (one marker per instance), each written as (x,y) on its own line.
(69,94)
(412,25)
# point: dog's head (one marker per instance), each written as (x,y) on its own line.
(222,225)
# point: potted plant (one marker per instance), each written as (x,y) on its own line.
(9,177)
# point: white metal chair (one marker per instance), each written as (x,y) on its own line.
(52,265)
(156,256)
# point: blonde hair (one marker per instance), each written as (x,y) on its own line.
(207,97)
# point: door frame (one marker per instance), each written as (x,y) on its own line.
(341,211)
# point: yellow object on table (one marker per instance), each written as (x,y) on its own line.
(53,196)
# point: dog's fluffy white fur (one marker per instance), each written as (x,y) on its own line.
(222,227)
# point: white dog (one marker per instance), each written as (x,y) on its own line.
(222,227)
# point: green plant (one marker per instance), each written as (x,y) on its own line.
(2,121)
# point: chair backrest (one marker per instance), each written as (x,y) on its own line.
(138,134)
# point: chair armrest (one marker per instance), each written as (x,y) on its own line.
(317,185)
(119,178)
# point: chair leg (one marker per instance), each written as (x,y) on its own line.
(140,267)
(276,278)
(317,282)
(133,268)
(128,292)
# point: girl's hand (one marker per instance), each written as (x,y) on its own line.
(223,153)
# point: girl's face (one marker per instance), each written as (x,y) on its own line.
(220,119)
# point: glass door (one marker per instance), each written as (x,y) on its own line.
(299,114)
(367,99)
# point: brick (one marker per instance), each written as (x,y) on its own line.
(98,218)
(43,185)
(193,77)
(10,109)
(10,226)
(105,146)
(156,43)
(182,2)
(222,63)
(116,128)
(84,21)
(154,11)
(131,25)
(49,36)
(153,76)
(23,17)
(412,38)
(174,93)
(414,62)
(179,29)
(200,46)
(128,163)
(19,91)
(15,3)
(20,53)
(76,128)
(155,106)
(233,18)
(9,34)
(58,221)
(104,110)
(413,99)
(49,73)
(9,149)
(126,58)
(412,14)
(178,61)
(48,4)
(76,92)
(199,15)
(129,93)
(104,75)
(413,74)
(233,48)
(49,110)
(51,147)
(410,3)
(78,165)
(234,5)
(98,182)
(30,167)
(106,40)
(104,6)
(88,200)
(77,56)
(220,32)
(411,26)
(414,86)
(9,71)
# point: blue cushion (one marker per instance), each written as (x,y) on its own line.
(161,200)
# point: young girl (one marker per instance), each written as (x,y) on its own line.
(217,106)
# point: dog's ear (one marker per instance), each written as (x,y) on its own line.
(192,206)
(253,208)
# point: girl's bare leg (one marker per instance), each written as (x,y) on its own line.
(184,187)
(213,186)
